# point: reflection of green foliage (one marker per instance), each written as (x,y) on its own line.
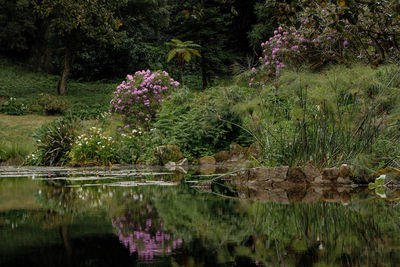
(379,186)
(71,201)
(380,181)
(60,199)
(270,232)
(222,230)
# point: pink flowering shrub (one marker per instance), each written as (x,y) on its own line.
(313,43)
(139,97)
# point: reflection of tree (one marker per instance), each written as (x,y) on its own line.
(62,204)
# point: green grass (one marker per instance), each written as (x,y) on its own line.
(25,85)
(16,140)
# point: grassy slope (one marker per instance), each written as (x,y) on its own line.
(19,129)
(18,82)
(16,140)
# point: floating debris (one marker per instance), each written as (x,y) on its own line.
(134,184)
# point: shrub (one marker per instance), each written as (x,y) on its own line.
(91,112)
(13,107)
(52,105)
(137,146)
(372,27)
(54,140)
(94,147)
(139,97)
(308,44)
(201,124)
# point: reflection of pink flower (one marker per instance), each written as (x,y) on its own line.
(145,243)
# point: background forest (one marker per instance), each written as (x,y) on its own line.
(226,30)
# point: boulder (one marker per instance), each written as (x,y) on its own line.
(296,175)
(321,180)
(222,156)
(207,160)
(330,173)
(255,151)
(207,169)
(311,172)
(345,171)
(168,153)
(274,174)
(345,180)
(237,152)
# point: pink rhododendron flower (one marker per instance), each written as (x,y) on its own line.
(138,97)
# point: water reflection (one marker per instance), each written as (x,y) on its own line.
(140,229)
(94,224)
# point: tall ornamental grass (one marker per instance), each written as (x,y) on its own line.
(341,115)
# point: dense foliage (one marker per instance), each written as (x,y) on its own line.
(372,27)
(202,124)
(343,115)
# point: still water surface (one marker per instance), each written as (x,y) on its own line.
(128,217)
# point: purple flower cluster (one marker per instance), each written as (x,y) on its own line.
(310,43)
(138,97)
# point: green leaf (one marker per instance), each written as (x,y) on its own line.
(171,55)
(187,56)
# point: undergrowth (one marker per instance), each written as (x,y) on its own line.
(339,116)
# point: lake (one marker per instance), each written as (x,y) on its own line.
(137,216)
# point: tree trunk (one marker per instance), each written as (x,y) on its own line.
(62,84)
(182,70)
(204,74)
(67,245)
(40,57)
